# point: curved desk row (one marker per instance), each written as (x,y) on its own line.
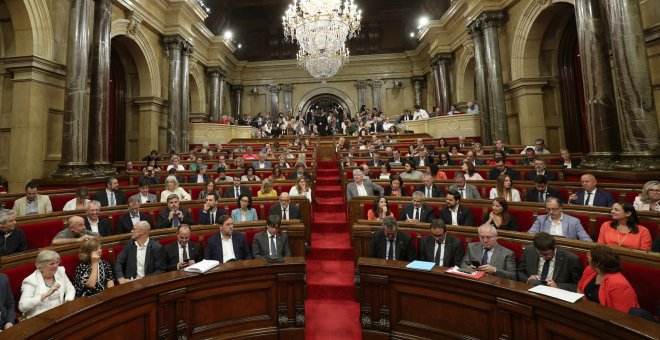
(246,299)
(399,303)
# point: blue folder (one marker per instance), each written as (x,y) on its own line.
(421,265)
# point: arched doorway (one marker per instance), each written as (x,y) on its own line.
(326,102)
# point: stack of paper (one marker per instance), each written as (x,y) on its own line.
(202,267)
(474,275)
(557,293)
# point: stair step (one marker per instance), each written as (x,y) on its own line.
(322,323)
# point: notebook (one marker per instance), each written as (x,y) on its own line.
(420,265)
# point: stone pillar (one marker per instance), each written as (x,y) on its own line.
(361,86)
(214,93)
(274,91)
(480,76)
(186,51)
(418,83)
(288,97)
(375,93)
(98,135)
(237,91)
(436,83)
(173,44)
(221,93)
(443,61)
(638,120)
(490,22)
(74,163)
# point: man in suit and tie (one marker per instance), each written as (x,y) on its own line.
(227,245)
(591,195)
(139,249)
(211,212)
(362,187)
(172,216)
(237,189)
(93,222)
(32,203)
(500,145)
(144,196)
(559,224)
(454,213)
(200,175)
(493,258)
(182,253)
(500,168)
(110,196)
(467,191)
(417,211)
(300,172)
(285,210)
(546,264)
(376,126)
(132,217)
(422,159)
(271,241)
(396,158)
(261,162)
(429,189)
(541,191)
(439,247)
(375,160)
(540,167)
(391,243)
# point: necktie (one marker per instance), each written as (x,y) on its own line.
(541,197)
(390,252)
(586,201)
(212,217)
(417,214)
(175,221)
(484,260)
(437,256)
(238,192)
(284,214)
(462,191)
(112,199)
(428,192)
(185,254)
(544,271)
(273,247)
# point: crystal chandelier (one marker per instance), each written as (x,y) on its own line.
(321,28)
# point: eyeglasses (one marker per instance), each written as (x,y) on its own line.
(552,209)
(654,190)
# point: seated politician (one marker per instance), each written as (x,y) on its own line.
(489,256)
(244,212)
(172,216)
(14,239)
(74,232)
(133,215)
(417,211)
(546,264)
(559,224)
(139,249)
(211,212)
(285,210)
(391,243)
(182,253)
(439,247)
(271,241)
(454,213)
(93,274)
(7,304)
(541,190)
(227,245)
(47,287)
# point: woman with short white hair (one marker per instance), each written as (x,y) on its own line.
(47,287)
(172,187)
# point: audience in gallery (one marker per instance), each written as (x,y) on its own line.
(93,274)
(624,229)
(172,187)
(47,287)
(505,189)
(499,216)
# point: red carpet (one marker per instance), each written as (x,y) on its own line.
(331,310)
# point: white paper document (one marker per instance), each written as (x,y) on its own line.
(202,267)
(557,293)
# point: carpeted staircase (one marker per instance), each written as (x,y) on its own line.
(331,310)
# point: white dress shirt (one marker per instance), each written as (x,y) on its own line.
(227,250)
(555,227)
(361,190)
(141,258)
(454,215)
(551,267)
(94,226)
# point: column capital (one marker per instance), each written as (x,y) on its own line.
(474,28)
(376,83)
(237,88)
(491,19)
(273,88)
(173,42)
(287,87)
(216,72)
(187,48)
(361,84)
(418,79)
(443,58)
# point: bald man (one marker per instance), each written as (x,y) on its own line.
(285,210)
(590,195)
(74,232)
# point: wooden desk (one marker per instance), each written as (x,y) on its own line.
(246,299)
(407,304)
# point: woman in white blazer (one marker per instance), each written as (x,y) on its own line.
(47,287)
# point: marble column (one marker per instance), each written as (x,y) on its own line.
(98,134)
(375,93)
(74,162)
(173,44)
(221,93)
(480,78)
(490,22)
(274,91)
(361,86)
(598,89)
(418,83)
(214,93)
(186,51)
(443,61)
(288,97)
(638,122)
(436,83)
(237,91)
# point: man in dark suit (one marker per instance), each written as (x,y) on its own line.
(14,239)
(95,223)
(7,304)
(422,159)
(375,160)
(540,167)
(172,216)
(271,241)
(429,189)
(182,253)
(591,195)
(237,187)
(500,145)
(439,247)
(530,157)
(126,265)
(376,126)
(200,175)
(549,265)
(541,190)
(111,195)
(500,169)
(396,158)
(417,211)
(285,210)
(471,158)
(133,216)
(211,212)
(492,257)
(300,172)
(454,213)
(217,250)
(391,243)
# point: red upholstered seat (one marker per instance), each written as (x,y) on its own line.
(40,234)
(16,277)
(414,239)
(517,248)
(167,240)
(644,280)
(194,191)
(59,200)
(584,220)
(524,218)
(477,215)
(195,214)
(70,262)
(249,236)
(463,240)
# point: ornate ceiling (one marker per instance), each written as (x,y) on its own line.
(257,25)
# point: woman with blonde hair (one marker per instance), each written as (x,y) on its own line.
(649,199)
(47,287)
(175,163)
(93,274)
(267,189)
(505,189)
(172,187)
(301,188)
